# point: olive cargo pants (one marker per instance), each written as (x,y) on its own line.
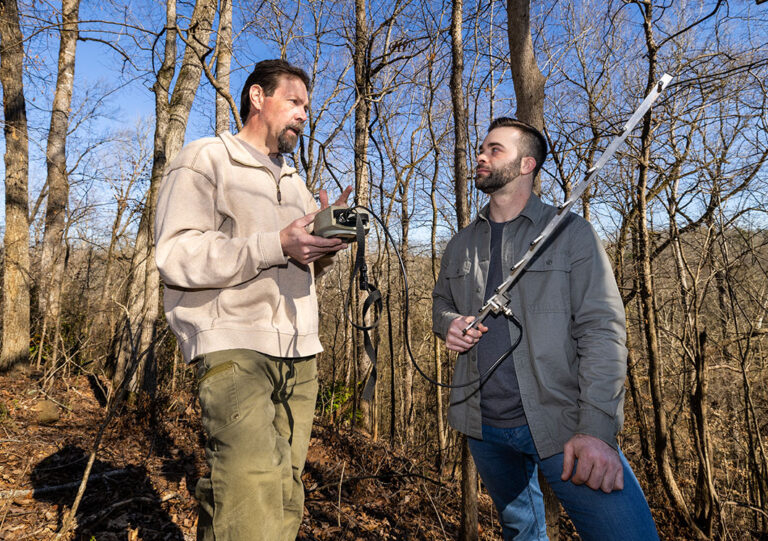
(257,412)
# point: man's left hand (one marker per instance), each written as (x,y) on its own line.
(598,464)
(341,201)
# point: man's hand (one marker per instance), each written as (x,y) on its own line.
(599,465)
(456,341)
(304,247)
(341,201)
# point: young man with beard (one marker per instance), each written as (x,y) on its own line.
(239,270)
(555,403)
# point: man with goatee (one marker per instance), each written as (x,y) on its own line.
(555,402)
(239,270)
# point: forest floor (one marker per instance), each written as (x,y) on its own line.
(142,482)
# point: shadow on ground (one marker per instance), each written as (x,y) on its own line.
(116,502)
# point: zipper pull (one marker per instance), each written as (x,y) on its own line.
(279,195)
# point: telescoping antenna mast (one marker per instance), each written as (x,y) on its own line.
(498,303)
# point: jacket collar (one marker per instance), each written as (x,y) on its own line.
(533,210)
(241,155)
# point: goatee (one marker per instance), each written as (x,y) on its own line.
(287,140)
(498,178)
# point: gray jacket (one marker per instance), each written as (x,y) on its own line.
(571,361)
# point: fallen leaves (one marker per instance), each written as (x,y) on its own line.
(357,489)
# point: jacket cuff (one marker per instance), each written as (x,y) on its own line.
(595,423)
(443,323)
(269,251)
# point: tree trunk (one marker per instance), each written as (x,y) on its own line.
(706,503)
(647,299)
(392,390)
(52,265)
(694,341)
(468,529)
(408,391)
(460,170)
(652,344)
(437,356)
(529,93)
(632,375)
(143,291)
(436,348)
(15,347)
(362,137)
(526,76)
(223,62)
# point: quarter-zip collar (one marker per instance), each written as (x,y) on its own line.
(241,155)
(237,152)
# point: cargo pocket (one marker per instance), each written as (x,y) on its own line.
(218,397)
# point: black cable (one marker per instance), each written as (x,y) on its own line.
(363,327)
(406,310)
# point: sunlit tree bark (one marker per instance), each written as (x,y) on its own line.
(223,62)
(460,145)
(139,329)
(526,76)
(468,530)
(16,279)
(54,249)
(363,89)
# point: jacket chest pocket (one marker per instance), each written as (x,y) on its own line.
(546,283)
(458,276)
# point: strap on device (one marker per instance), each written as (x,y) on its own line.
(373,301)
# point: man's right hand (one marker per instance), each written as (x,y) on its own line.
(455,340)
(304,247)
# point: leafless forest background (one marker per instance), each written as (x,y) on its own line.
(402,92)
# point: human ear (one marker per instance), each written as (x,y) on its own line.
(527,165)
(256,94)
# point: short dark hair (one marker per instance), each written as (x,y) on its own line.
(534,142)
(267,74)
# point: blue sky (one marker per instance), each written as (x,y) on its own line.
(100,74)
(128,100)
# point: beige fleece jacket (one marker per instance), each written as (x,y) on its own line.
(217,234)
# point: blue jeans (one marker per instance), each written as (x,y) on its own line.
(507,461)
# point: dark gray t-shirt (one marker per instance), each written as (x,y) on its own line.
(500,402)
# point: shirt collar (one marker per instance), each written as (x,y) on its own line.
(533,210)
